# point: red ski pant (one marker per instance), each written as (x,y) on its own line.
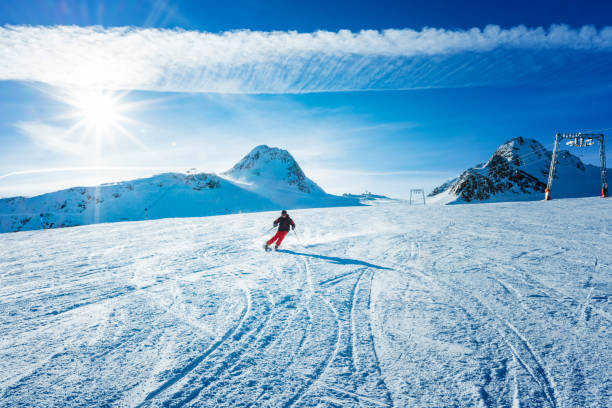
(278,237)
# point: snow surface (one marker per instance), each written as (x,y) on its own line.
(265,179)
(504,304)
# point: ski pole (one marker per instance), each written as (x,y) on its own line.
(261,235)
(298,239)
(268,230)
(264,233)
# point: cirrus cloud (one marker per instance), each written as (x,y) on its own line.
(278,62)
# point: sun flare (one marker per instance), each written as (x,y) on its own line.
(98,110)
(100,118)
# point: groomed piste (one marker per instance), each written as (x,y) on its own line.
(503,304)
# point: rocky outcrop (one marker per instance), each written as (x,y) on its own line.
(518,168)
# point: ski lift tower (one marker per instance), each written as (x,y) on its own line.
(578,140)
(417,192)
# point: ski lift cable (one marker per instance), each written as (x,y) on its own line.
(523,162)
(534,154)
(522,158)
(483,171)
(596,130)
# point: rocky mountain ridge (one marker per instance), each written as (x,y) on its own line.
(518,170)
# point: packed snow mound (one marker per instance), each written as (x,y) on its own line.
(518,170)
(266,179)
(270,166)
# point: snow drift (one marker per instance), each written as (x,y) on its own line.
(518,171)
(265,179)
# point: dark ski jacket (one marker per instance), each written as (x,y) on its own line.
(284,223)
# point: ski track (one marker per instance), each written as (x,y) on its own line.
(297,397)
(526,358)
(406,306)
(194,363)
(236,342)
(372,341)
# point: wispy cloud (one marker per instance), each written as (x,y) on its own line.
(52,138)
(277,62)
(77,170)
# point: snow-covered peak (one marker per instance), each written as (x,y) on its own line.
(265,179)
(268,166)
(518,170)
(519,150)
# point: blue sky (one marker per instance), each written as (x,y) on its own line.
(384,96)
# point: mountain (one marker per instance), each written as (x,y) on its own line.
(164,195)
(274,173)
(518,170)
(273,167)
(264,180)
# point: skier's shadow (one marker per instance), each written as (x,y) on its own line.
(335,260)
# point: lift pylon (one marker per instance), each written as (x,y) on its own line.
(578,140)
(417,192)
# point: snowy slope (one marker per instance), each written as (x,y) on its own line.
(275,174)
(270,180)
(367,197)
(405,306)
(518,170)
(164,195)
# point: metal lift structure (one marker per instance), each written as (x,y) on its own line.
(417,192)
(578,140)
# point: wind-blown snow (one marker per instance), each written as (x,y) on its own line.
(387,305)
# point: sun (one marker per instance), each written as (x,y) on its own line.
(101,121)
(99,117)
(98,110)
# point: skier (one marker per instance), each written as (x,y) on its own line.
(284,222)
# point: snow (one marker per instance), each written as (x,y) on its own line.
(503,304)
(265,179)
(518,171)
(164,195)
(273,173)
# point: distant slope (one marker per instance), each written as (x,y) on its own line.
(518,170)
(266,179)
(164,195)
(365,197)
